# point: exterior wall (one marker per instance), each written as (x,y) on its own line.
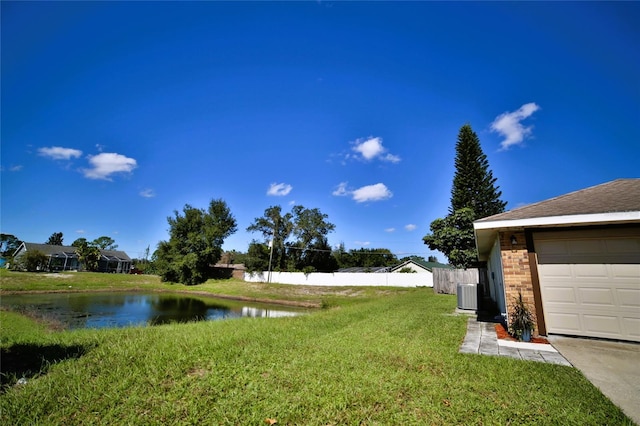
(516,270)
(223,272)
(344,279)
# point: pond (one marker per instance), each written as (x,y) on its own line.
(111,310)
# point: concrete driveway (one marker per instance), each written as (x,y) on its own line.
(613,367)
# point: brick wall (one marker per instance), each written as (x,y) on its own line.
(516,270)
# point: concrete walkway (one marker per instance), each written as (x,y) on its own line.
(613,367)
(481,339)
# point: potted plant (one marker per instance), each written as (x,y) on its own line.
(521,323)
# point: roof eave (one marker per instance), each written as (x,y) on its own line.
(567,220)
(487,230)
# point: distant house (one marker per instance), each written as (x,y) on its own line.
(419,266)
(228,270)
(64,258)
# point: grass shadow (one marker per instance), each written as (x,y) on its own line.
(24,361)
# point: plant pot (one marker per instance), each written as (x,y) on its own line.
(526,335)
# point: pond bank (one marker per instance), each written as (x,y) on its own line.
(291,303)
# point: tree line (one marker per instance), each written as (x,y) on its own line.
(291,241)
(297,240)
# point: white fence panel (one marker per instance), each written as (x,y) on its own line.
(344,279)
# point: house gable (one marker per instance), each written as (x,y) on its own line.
(419,266)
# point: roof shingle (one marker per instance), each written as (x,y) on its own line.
(621,195)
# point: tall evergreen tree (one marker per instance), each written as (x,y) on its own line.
(473,182)
(474,195)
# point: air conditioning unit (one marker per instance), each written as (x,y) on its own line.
(467,296)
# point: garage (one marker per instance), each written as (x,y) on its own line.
(590,281)
(574,259)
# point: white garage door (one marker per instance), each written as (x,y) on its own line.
(590,282)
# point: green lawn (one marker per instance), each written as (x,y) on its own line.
(379,356)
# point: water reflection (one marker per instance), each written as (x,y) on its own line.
(265,313)
(104,310)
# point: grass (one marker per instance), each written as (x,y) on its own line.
(371,360)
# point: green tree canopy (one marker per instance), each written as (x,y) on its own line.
(257,258)
(55,239)
(105,243)
(311,251)
(79,242)
(474,195)
(364,257)
(8,244)
(276,229)
(453,236)
(195,242)
(88,255)
(233,257)
(299,239)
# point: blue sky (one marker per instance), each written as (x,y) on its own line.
(115,114)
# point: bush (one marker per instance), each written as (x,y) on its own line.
(32,261)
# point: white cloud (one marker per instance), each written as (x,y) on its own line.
(80,231)
(279,189)
(341,190)
(372,148)
(410,227)
(509,125)
(376,192)
(59,153)
(147,193)
(391,158)
(362,243)
(390,230)
(107,163)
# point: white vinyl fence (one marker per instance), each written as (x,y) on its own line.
(344,278)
